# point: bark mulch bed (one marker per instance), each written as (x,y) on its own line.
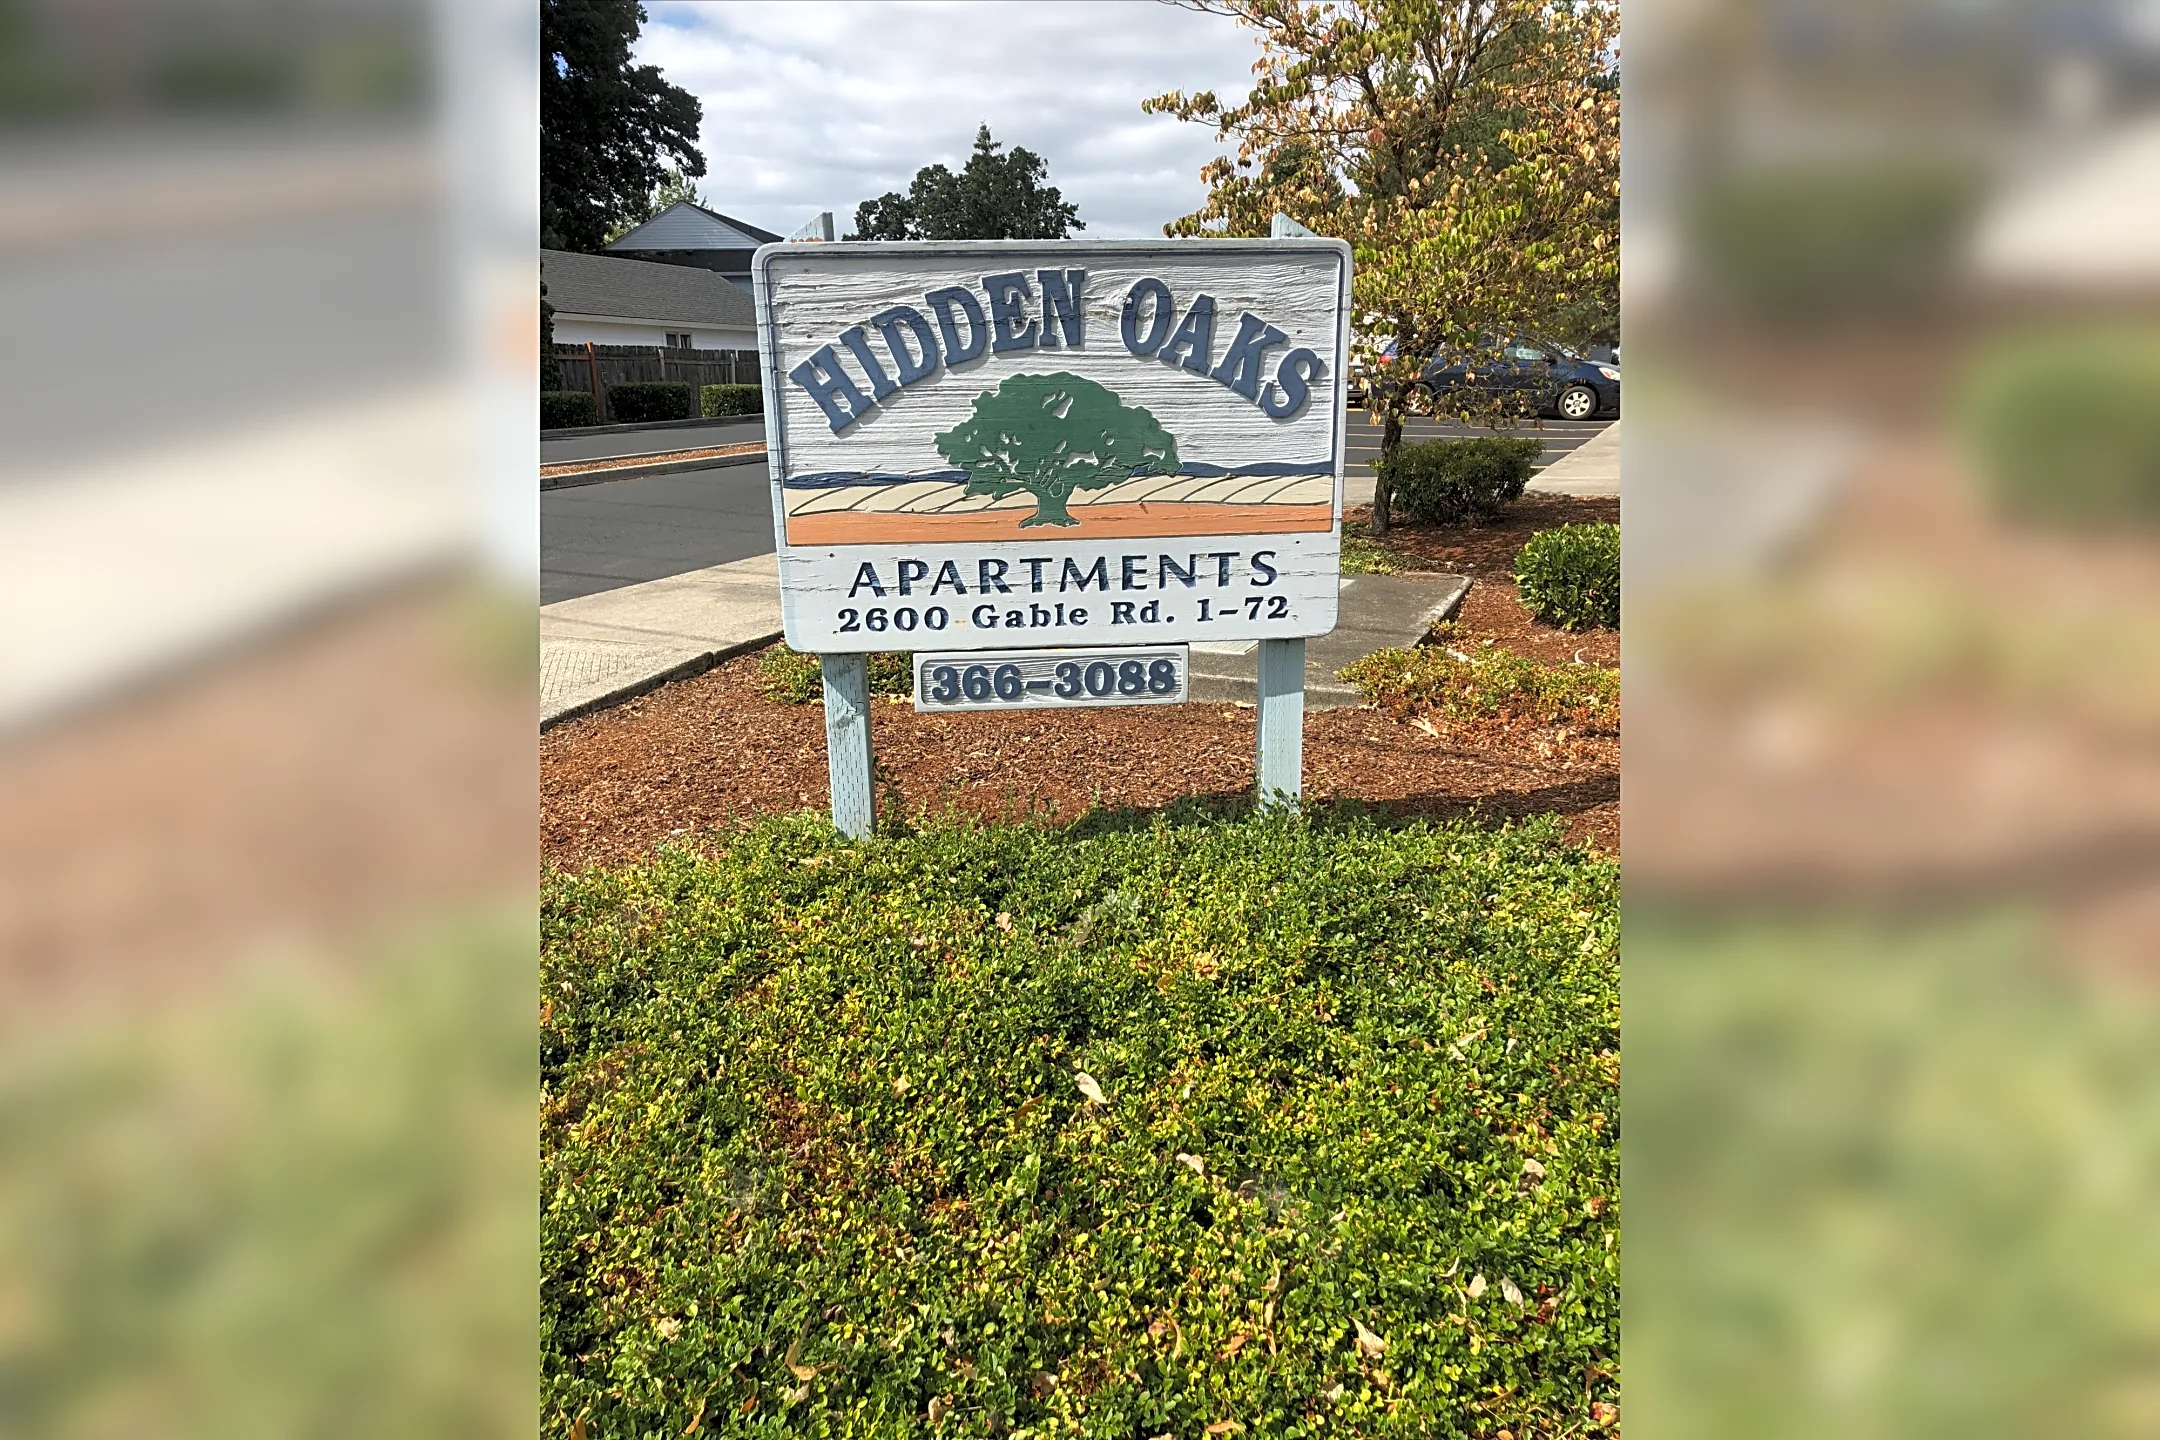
(712,751)
(1487,553)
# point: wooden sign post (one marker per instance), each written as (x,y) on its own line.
(1095,449)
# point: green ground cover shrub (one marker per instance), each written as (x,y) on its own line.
(716,401)
(1570,576)
(793,678)
(642,400)
(1362,555)
(561,409)
(1305,1127)
(2066,426)
(1486,685)
(1447,482)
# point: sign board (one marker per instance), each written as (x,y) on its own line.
(1054,444)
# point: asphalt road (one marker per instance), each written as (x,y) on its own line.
(650,442)
(619,532)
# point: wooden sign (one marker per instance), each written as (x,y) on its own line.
(1039,444)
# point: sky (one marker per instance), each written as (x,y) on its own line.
(820,106)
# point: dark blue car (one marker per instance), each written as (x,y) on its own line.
(1553,379)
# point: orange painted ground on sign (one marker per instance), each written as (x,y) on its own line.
(1094,522)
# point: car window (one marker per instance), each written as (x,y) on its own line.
(1527,354)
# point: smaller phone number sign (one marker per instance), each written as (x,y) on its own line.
(1050,679)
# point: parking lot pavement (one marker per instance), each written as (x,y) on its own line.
(1363,444)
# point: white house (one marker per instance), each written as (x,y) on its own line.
(609,301)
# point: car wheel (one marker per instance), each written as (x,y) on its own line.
(1578,402)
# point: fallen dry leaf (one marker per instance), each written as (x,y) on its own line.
(1199,1166)
(1534,1170)
(1603,1414)
(1224,1427)
(1004,921)
(793,1361)
(697,1417)
(901,1086)
(1368,1342)
(1476,1286)
(1514,1296)
(797,1394)
(668,1326)
(1333,1392)
(1089,1088)
(1237,1343)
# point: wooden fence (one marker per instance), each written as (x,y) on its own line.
(595,367)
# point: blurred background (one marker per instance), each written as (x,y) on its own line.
(1891,291)
(268,558)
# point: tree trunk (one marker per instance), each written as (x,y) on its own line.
(1383,483)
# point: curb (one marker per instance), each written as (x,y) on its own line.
(695,665)
(633,472)
(570,432)
(1449,606)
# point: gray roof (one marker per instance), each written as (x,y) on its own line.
(644,290)
(684,226)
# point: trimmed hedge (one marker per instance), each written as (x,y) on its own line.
(716,401)
(2066,427)
(1446,482)
(640,400)
(793,678)
(561,409)
(1570,576)
(1303,1126)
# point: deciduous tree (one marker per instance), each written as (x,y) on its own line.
(994,197)
(1467,149)
(608,128)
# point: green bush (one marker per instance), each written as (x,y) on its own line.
(641,400)
(716,401)
(1486,685)
(562,409)
(819,1153)
(794,678)
(1446,482)
(1570,576)
(2066,427)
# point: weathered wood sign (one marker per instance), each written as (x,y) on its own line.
(1039,444)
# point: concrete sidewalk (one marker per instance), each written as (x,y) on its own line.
(1374,612)
(1591,470)
(599,649)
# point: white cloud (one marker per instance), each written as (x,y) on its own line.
(813,107)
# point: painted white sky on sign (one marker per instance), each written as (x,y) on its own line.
(813,107)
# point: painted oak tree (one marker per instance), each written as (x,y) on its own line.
(1053,435)
(1468,150)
